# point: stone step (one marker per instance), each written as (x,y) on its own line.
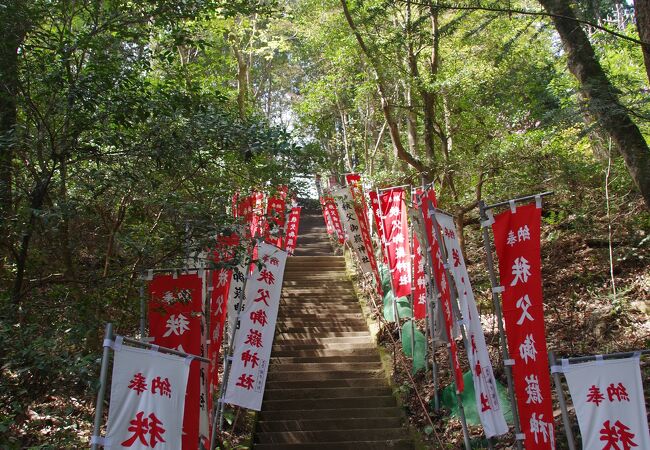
(326,321)
(322,325)
(301,375)
(315,260)
(293,437)
(326,352)
(323,393)
(329,403)
(316,315)
(319,328)
(325,367)
(337,413)
(340,383)
(321,302)
(324,359)
(301,333)
(395,444)
(295,340)
(288,346)
(329,424)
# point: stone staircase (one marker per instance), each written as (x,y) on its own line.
(326,388)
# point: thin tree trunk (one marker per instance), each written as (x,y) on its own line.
(11,36)
(601,96)
(642,13)
(37,198)
(64,228)
(393,128)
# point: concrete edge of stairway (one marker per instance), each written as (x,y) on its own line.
(385,357)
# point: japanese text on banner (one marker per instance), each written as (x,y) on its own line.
(517,243)
(254,339)
(147,392)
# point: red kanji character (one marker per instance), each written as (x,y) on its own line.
(264,296)
(259,316)
(613,435)
(485,405)
(247,357)
(274,261)
(624,436)
(477,369)
(595,396)
(617,391)
(456,256)
(138,383)
(266,277)
(141,427)
(245,381)
(162,386)
(473,344)
(155,431)
(254,338)
(265,258)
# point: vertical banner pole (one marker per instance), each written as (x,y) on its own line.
(218,418)
(382,241)
(430,309)
(560,396)
(103,378)
(143,313)
(454,302)
(497,311)
(434,365)
(412,248)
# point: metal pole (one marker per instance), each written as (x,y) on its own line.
(218,417)
(579,359)
(502,335)
(560,396)
(103,377)
(434,365)
(395,310)
(143,312)
(412,248)
(516,200)
(431,310)
(459,401)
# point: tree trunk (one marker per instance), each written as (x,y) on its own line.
(642,14)
(601,96)
(64,227)
(36,202)
(393,128)
(10,38)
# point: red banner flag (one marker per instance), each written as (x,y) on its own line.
(419,281)
(398,253)
(359,201)
(333,214)
(517,243)
(376,214)
(175,310)
(292,230)
(326,218)
(275,216)
(428,201)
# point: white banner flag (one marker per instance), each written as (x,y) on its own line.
(254,339)
(147,400)
(609,404)
(352,227)
(485,388)
(235,294)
